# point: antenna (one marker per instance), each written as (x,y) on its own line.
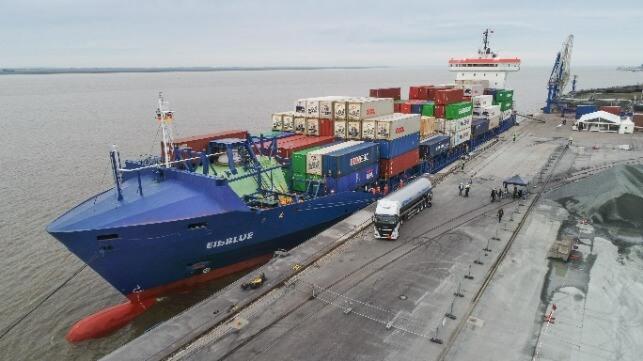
(164,117)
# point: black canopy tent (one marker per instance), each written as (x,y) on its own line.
(517,180)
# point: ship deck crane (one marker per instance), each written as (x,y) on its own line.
(559,75)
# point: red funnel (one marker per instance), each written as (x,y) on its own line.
(108,320)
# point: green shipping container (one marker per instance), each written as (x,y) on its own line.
(458,110)
(287,176)
(504,96)
(298,164)
(300,181)
(428,109)
(506,105)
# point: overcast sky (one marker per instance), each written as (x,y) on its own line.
(146,33)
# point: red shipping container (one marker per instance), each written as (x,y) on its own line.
(326,127)
(637,118)
(466,99)
(395,93)
(406,106)
(414,92)
(431,91)
(439,111)
(394,166)
(286,150)
(423,92)
(373,93)
(397,107)
(616,110)
(200,142)
(283,141)
(448,96)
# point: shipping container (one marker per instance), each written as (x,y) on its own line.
(312,107)
(312,126)
(348,160)
(504,105)
(395,93)
(637,118)
(340,128)
(397,165)
(369,107)
(477,90)
(479,126)
(616,110)
(423,92)
(585,109)
(414,92)
(458,110)
(491,111)
(417,108)
(482,101)
(434,146)
(397,125)
(460,137)
(277,121)
(452,126)
(298,159)
(300,106)
(340,110)
(369,129)
(428,127)
(288,120)
(393,148)
(299,182)
(439,111)
(353,129)
(352,181)
(285,150)
(504,96)
(428,109)
(326,127)
(507,114)
(397,107)
(300,123)
(314,158)
(448,96)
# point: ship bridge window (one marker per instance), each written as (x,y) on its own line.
(107,237)
(200,225)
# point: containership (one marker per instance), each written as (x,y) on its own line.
(216,204)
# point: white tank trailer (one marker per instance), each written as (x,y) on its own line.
(401,205)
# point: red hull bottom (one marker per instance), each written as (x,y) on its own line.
(112,319)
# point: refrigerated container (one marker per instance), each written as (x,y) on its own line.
(314,158)
(365,108)
(397,125)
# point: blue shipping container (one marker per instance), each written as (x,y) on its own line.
(354,180)
(416,108)
(393,148)
(479,126)
(349,160)
(585,109)
(434,146)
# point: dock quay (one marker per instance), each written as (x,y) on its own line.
(458,284)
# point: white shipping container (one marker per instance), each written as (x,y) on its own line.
(314,158)
(397,125)
(288,121)
(461,137)
(507,114)
(312,126)
(366,108)
(312,107)
(277,121)
(494,122)
(477,90)
(452,126)
(340,110)
(340,128)
(353,129)
(482,101)
(300,123)
(300,106)
(327,105)
(428,127)
(369,129)
(491,111)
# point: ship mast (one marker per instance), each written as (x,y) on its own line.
(486,51)
(164,117)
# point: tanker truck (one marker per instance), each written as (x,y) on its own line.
(401,205)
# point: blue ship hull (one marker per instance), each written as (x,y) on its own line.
(187,228)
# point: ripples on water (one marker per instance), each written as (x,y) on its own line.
(56,132)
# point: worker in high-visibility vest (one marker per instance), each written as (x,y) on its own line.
(570,140)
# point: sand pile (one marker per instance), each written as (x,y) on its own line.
(611,200)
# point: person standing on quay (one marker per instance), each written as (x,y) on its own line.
(461,188)
(514,137)
(466,190)
(500,214)
(493,195)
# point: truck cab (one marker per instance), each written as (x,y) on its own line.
(386,220)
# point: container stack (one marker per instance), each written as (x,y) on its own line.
(453,115)
(494,106)
(398,136)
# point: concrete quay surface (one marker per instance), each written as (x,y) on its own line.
(358,298)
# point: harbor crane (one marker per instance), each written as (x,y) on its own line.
(559,75)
